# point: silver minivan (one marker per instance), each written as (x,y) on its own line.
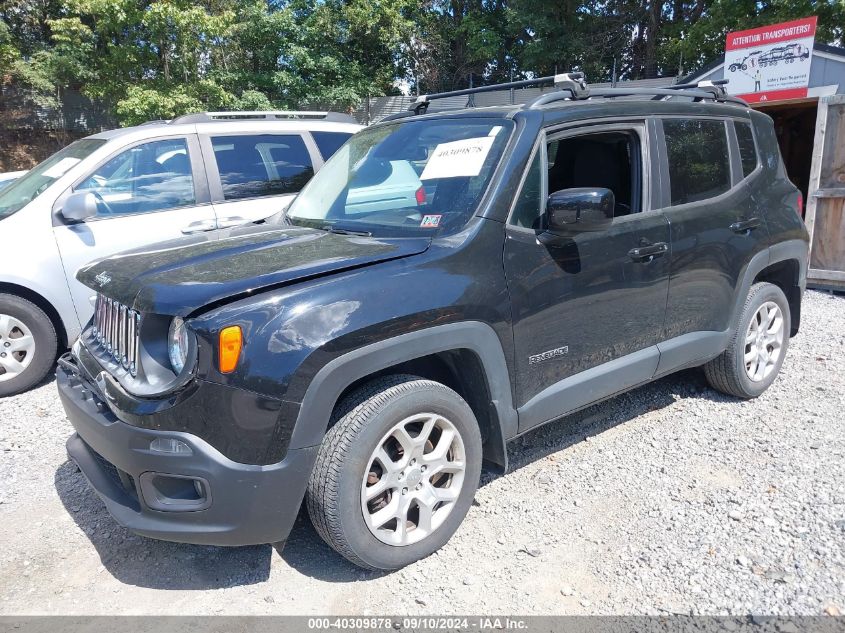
(131,187)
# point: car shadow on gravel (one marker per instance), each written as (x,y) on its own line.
(307,553)
(625,408)
(144,562)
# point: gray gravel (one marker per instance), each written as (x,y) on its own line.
(670,499)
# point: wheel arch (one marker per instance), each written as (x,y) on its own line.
(783,264)
(785,274)
(466,357)
(43,303)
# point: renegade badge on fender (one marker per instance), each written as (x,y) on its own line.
(446,282)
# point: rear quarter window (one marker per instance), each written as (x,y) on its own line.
(747,149)
(329,142)
(699,165)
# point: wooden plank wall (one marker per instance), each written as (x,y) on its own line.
(826,204)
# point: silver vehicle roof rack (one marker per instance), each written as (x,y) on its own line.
(571,82)
(573,87)
(264,115)
(701,91)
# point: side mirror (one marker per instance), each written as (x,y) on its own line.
(580,209)
(79,206)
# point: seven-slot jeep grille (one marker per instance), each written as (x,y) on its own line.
(116,330)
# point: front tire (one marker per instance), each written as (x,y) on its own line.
(396,473)
(27,344)
(755,354)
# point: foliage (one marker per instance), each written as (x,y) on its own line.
(160,58)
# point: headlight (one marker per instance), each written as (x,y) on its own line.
(177,344)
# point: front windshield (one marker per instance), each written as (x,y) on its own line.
(26,188)
(417,177)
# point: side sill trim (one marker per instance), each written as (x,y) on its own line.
(589,386)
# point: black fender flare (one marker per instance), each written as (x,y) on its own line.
(330,382)
(779,252)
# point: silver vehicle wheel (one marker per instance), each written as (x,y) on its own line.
(17,347)
(413,479)
(764,341)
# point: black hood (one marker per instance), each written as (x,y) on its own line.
(181,276)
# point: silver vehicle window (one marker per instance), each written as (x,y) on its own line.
(26,188)
(153,176)
(252,166)
(330,142)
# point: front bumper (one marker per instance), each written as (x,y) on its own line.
(240,504)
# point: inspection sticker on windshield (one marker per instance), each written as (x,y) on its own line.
(430,221)
(458,158)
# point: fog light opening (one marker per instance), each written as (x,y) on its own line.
(175,493)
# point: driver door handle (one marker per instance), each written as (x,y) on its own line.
(647,253)
(199,226)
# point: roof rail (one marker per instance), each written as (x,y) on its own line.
(716,88)
(264,115)
(697,92)
(572,82)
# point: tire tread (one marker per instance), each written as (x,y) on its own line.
(349,418)
(722,372)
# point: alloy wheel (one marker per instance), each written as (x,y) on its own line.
(764,341)
(413,479)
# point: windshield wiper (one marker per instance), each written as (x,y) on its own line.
(333,229)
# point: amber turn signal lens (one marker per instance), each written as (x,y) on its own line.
(231,340)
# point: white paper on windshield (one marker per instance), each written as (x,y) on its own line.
(458,158)
(59,169)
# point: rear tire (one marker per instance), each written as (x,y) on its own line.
(757,349)
(28,344)
(380,493)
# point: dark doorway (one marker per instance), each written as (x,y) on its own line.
(795,125)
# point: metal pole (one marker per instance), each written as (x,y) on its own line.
(511,81)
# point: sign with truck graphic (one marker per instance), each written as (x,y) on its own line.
(770,63)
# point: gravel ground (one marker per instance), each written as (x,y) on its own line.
(672,498)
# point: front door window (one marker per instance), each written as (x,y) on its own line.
(153,176)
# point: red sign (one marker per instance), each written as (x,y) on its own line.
(783,32)
(770,63)
(775,95)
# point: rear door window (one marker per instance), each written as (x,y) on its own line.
(699,165)
(253,166)
(329,142)
(747,149)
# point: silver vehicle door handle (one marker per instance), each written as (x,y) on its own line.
(234,220)
(199,226)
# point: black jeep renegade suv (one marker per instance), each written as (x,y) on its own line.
(445,283)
